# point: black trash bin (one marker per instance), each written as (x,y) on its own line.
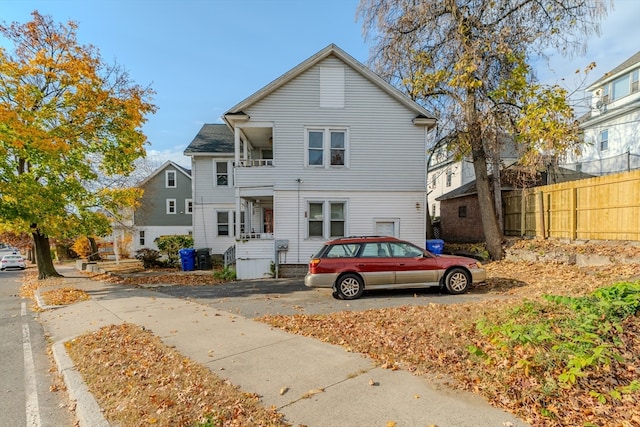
(203,255)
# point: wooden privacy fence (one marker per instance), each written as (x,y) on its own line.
(600,208)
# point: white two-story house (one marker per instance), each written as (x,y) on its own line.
(612,126)
(327,150)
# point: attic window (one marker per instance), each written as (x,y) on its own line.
(332,87)
(170,180)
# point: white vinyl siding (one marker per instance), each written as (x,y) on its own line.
(332,86)
(364,210)
(385,150)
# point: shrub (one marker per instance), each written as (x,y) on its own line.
(149,257)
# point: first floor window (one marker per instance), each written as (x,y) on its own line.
(326,219)
(337,220)
(171,206)
(188,206)
(604,140)
(462,211)
(223,223)
(141,237)
(316,219)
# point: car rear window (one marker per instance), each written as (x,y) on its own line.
(349,250)
(12,257)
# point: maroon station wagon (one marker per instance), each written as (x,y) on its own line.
(352,265)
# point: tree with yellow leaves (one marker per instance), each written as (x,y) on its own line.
(469,61)
(69,123)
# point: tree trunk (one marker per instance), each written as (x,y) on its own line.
(492,234)
(95,256)
(43,256)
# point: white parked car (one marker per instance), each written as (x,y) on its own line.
(12,261)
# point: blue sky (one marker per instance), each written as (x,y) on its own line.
(204,56)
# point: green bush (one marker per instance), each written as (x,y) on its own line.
(170,245)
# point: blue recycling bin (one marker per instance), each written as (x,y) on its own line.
(435,246)
(187,259)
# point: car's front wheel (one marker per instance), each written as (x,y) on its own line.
(457,281)
(349,286)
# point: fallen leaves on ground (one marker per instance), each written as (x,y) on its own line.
(63,296)
(160,278)
(433,340)
(137,380)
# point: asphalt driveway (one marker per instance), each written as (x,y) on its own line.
(255,298)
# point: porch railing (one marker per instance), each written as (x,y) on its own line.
(254,163)
(229,256)
(251,236)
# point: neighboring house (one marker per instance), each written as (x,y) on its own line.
(166,207)
(445,173)
(327,150)
(612,126)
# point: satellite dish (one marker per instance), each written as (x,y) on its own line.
(599,104)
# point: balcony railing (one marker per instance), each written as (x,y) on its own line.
(250,236)
(250,163)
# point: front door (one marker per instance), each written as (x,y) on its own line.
(268,220)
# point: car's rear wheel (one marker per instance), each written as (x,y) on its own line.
(349,286)
(457,281)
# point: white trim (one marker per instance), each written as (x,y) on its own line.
(168,206)
(326,218)
(167,173)
(326,146)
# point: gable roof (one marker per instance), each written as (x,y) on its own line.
(165,165)
(633,60)
(212,138)
(334,50)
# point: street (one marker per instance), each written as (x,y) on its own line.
(25,377)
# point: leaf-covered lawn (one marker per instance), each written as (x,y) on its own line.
(137,380)
(437,341)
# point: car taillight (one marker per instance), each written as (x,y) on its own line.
(313,264)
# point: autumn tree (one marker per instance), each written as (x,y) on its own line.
(68,121)
(470,62)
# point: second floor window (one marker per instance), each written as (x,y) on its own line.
(604,140)
(222,174)
(449,178)
(327,147)
(170,179)
(171,206)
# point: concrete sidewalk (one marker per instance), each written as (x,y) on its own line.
(263,360)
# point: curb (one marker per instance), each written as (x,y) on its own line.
(87,410)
